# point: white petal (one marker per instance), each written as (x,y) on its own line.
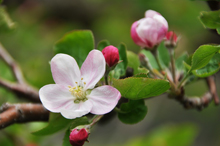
(55,97)
(151,13)
(65,70)
(78,110)
(93,69)
(104,99)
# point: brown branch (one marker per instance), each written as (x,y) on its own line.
(212,88)
(21,113)
(14,66)
(21,88)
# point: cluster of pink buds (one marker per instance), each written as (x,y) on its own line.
(148,32)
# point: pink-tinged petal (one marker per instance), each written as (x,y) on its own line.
(137,40)
(65,70)
(151,13)
(161,20)
(104,99)
(93,69)
(78,110)
(55,97)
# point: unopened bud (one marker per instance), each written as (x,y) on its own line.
(78,137)
(171,40)
(111,55)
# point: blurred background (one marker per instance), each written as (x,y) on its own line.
(39,24)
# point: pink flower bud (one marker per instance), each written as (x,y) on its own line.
(111,55)
(149,31)
(78,137)
(171,40)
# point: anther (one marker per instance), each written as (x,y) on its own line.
(84,83)
(81,78)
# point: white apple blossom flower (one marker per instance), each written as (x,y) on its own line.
(74,94)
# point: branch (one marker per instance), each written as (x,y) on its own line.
(14,66)
(21,88)
(21,113)
(212,88)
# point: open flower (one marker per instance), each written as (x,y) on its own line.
(74,94)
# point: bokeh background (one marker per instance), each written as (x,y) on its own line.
(41,23)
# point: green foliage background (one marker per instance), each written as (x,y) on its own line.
(39,24)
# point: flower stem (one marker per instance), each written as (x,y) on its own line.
(95,119)
(183,80)
(173,68)
(155,53)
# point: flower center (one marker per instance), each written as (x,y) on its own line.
(78,92)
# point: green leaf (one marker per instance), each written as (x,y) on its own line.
(132,112)
(77,44)
(163,55)
(66,141)
(143,70)
(144,75)
(6,24)
(139,88)
(57,122)
(211,68)
(133,61)
(210,19)
(203,55)
(120,69)
(150,59)
(179,61)
(102,44)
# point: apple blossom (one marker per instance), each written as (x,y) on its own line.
(149,31)
(111,55)
(78,136)
(74,94)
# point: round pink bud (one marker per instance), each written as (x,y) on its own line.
(149,31)
(111,55)
(171,39)
(78,137)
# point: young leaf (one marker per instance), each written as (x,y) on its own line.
(56,123)
(211,68)
(120,69)
(203,55)
(102,44)
(210,19)
(132,112)
(76,44)
(163,55)
(151,59)
(138,88)
(133,61)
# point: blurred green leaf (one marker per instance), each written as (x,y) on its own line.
(57,122)
(133,61)
(66,141)
(144,75)
(138,88)
(179,61)
(6,24)
(102,44)
(168,135)
(77,44)
(211,68)
(150,59)
(210,19)
(143,70)
(120,69)
(163,55)
(203,55)
(132,112)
